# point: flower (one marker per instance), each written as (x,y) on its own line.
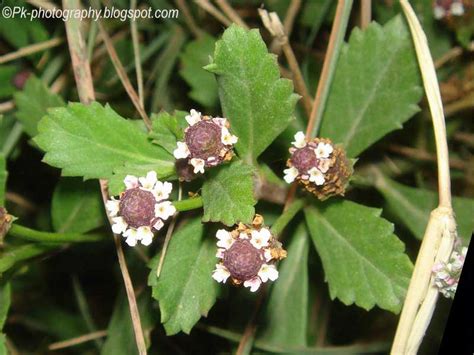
(448,9)
(446,275)
(319,166)
(5,223)
(247,255)
(207,143)
(141,209)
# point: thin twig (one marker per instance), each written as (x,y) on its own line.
(336,38)
(212,10)
(231,13)
(423,155)
(249,333)
(169,234)
(7,106)
(465,103)
(290,16)
(453,53)
(28,50)
(77,340)
(123,76)
(440,232)
(188,18)
(136,54)
(273,24)
(42,4)
(365,13)
(85,88)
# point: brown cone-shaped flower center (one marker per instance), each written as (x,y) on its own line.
(137,207)
(204,140)
(304,159)
(243,260)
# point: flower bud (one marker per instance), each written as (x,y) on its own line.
(446,275)
(5,223)
(248,255)
(207,142)
(322,168)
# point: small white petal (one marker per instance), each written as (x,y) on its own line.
(145,235)
(243,236)
(158,224)
(198,165)
(290,174)
(149,181)
(268,255)
(119,225)
(254,284)
(130,181)
(265,234)
(316,176)
(131,237)
(258,239)
(227,138)
(164,210)
(182,151)
(225,239)
(112,207)
(457,8)
(220,253)
(300,140)
(324,165)
(268,272)
(323,150)
(220,274)
(162,190)
(194,117)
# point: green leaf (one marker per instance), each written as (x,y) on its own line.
(364,262)
(93,141)
(5,300)
(168,129)
(7,73)
(185,289)
(375,88)
(3,179)
(227,194)
(120,335)
(286,314)
(203,85)
(33,103)
(258,103)
(77,206)
(413,206)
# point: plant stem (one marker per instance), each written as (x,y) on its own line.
(24,252)
(188,204)
(336,39)
(287,216)
(48,237)
(28,50)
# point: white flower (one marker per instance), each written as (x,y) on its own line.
(227,138)
(182,151)
(225,239)
(112,207)
(324,165)
(158,224)
(130,181)
(131,236)
(162,190)
(268,272)
(268,255)
(260,238)
(290,174)
(119,225)
(220,121)
(145,235)
(198,165)
(300,140)
(164,210)
(254,284)
(438,12)
(323,150)
(194,117)
(457,8)
(220,274)
(316,176)
(149,181)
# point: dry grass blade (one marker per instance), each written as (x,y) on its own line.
(365,13)
(211,9)
(78,340)
(34,48)
(188,18)
(440,232)
(123,76)
(136,53)
(231,13)
(273,24)
(85,87)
